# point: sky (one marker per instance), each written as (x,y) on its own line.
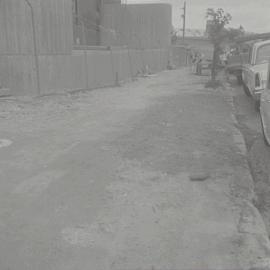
(253,15)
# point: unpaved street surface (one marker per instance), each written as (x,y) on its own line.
(101,180)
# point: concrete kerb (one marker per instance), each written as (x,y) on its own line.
(251,226)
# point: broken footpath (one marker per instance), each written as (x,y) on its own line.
(150,175)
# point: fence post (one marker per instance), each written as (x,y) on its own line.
(160,60)
(115,74)
(186,57)
(35,46)
(86,69)
(130,63)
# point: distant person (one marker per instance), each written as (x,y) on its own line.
(199,64)
(223,58)
(194,62)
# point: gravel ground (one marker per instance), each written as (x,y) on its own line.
(102,180)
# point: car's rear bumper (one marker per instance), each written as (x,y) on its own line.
(265,118)
(257,94)
(206,66)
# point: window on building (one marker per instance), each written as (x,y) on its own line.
(86,21)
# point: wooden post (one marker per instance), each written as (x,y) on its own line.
(35,46)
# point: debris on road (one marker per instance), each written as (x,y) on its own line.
(5,143)
(199,176)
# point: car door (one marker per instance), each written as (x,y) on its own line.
(265,106)
(247,76)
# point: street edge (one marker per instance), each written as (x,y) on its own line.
(250,225)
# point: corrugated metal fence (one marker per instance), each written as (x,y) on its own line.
(37,55)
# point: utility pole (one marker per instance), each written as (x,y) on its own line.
(184,21)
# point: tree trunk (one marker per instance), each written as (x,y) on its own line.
(214,64)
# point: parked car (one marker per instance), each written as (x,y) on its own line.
(265,110)
(254,73)
(203,64)
(237,58)
(205,59)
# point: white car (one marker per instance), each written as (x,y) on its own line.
(237,58)
(254,73)
(265,110)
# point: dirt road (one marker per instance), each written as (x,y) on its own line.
(101,180)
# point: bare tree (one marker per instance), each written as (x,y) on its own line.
(216,22)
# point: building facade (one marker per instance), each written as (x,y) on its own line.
(29,32)
(86,21)
(139,26)
(37,38)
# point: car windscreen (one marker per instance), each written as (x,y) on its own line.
(263,54)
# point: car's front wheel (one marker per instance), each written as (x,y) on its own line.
(246,90)
(199,69)
(257,105)
(239,79)
(264,132)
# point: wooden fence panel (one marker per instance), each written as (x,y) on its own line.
(53,25)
